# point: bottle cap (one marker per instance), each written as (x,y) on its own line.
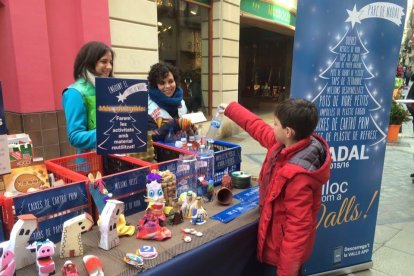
(191,138)
(178,144)
(183,140)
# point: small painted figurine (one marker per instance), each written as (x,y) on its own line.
(226,181)
(176,215)
(198,213)
(187,200)
(155,195)
(8,264)
(205,188)
(154,189)
(44,252)
(69,269)
(208,194)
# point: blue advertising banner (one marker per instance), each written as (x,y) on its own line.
(345,59)
(121,115)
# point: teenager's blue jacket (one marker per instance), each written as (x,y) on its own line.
(80,137)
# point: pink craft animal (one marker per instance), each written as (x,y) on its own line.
(44,252)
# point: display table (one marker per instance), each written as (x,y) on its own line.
(224,249)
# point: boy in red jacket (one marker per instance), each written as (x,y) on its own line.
(296,166)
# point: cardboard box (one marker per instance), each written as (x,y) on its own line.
(21,179)
(20,150)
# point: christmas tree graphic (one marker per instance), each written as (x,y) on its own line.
(349,109)
(123,134)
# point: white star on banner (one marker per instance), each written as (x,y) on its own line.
(353,16)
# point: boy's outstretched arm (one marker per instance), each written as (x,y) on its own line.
(251,123)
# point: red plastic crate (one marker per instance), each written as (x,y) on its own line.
(77,167)
(10,211)
(112,168)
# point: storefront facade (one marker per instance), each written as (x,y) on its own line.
(266,49)
(202,38)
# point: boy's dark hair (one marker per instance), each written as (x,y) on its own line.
(299,114)
(88,56)
(159,72)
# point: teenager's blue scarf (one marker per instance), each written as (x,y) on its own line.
(170,104)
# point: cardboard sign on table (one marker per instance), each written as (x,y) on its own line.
(121,115)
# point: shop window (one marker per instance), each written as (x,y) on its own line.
(183,41)
(265,64)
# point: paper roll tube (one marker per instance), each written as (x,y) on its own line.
(224,196)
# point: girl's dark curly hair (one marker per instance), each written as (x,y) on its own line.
(159,71)
(88,56)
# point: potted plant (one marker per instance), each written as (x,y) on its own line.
(398,115)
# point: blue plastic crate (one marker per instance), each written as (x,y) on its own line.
(227,156)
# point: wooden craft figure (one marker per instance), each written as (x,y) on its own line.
(19,240)
(187,200)
(109,217)
(199,214)
(8,264)
(71,243)
(44,252)
(100,195)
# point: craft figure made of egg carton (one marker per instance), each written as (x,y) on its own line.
(44,252)
(71,244)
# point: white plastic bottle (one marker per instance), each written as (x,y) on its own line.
(215,123)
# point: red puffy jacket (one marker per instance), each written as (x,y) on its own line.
(290,193)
